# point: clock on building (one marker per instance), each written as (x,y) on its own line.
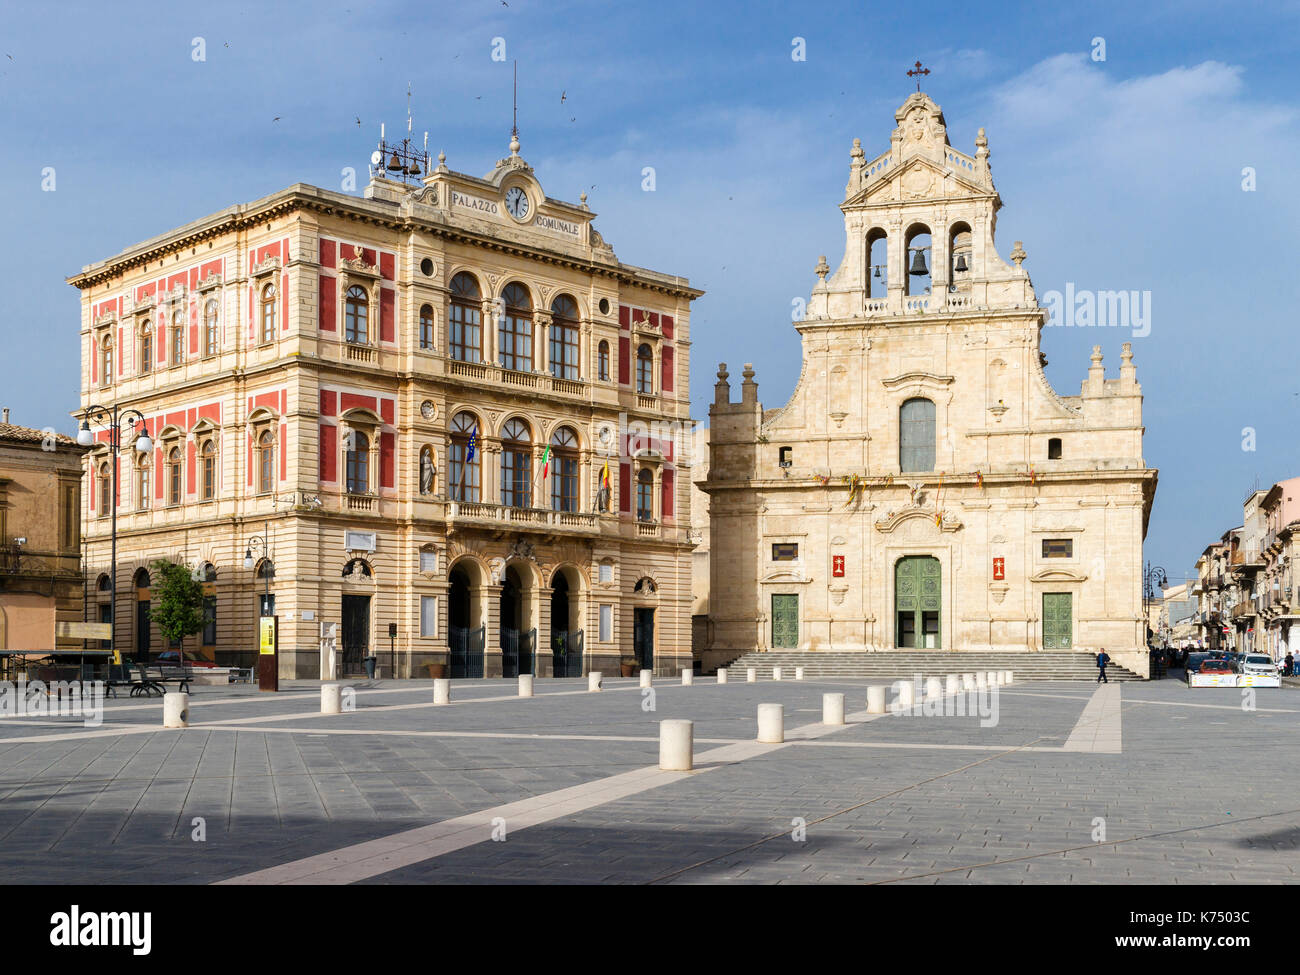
(517,202)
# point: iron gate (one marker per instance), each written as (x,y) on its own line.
(466,651)
(566,655)
(517,652)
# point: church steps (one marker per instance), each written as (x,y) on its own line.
(1045,665)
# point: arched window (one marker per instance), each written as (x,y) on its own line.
(877,263)
(106,362)
(466,319)
(426,326)
(211,341)
(358,463)
(916,435)
(175,486)
(645,495)
(516,464)
(178,339)
(208,470)
(564,338)
(1054,448)
(515,333)
(146,348)
(644,370)
(918,254)
(104,583)
(105,491)
(463,458)
(142,483)
(268,314)
(564,470)
(141,579)
(357,316)
(265,463)
(960,256)
(602,361)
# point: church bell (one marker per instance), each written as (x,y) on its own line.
(918,263)
(961,263)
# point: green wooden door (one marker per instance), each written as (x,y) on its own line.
(785,621)
(1058,620)
(918,602)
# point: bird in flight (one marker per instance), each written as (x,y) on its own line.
(563,95)
(276,119)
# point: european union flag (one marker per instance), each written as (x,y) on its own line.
(473,442)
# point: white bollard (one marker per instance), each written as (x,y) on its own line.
(646,677)
(832,709)
(331,699)
(906,695)
(442,690)
(953,685)
(176,710)
(934,688)
(968,682)
(593,680)
(688,677)
(722,675)
(676,745)
(771,723)
(876,699)
(798,673)
(751,675)
(776,673)
(525,685)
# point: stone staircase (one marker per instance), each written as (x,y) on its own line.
(896,664)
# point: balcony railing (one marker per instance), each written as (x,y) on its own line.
(542,518)
(361,502)
(360,353)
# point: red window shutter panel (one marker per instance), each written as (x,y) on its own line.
(666,505)
(386,451)
(326,252)
(386,315)
(624,361)
(329,453)
(624,487)
(666,367)
(328,295)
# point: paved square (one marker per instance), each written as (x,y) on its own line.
(1137,783)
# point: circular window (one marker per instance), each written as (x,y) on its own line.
(604,306)
(426,267)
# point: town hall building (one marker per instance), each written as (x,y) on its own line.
(925,487)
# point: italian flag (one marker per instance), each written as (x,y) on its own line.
(546,461)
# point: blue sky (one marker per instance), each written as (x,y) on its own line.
(1122,174)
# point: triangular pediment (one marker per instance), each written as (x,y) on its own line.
(917,179)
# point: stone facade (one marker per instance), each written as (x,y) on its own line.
(925,485)
(40,537)
(313,367)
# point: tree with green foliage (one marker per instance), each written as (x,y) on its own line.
(177,598)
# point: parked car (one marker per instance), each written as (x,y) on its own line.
(174,657)
(1258,663)
(1194,661)
(1216,666)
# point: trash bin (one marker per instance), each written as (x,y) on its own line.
(369,663)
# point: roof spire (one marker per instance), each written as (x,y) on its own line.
(514,126)
(918,71)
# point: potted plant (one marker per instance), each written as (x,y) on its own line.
(437,671)
(627,667)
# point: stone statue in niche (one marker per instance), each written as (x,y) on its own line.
(426,471)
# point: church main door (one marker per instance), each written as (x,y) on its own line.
(918,600)
(1058,620)
(785,621)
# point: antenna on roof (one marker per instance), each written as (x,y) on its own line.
(514,120)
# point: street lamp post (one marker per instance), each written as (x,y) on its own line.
(111,417)
(1153,578)
(267,674)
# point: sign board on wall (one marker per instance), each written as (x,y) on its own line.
(837,566)
(999,569)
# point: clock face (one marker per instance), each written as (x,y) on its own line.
(517,202)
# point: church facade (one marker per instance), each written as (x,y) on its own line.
(441,418)
(925,487)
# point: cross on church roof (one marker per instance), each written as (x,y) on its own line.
(918,70)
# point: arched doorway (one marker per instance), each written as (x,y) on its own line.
(517,643)
(567,635)
(142,583)
(918,602)
(465,634)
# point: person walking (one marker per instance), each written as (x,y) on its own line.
(1103,658)
(1288,662)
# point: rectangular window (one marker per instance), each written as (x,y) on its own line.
(428,616)
(606,623)
(71,516)
(1058,548)
(785,551)
(606,572)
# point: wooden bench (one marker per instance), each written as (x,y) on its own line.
(163,674)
